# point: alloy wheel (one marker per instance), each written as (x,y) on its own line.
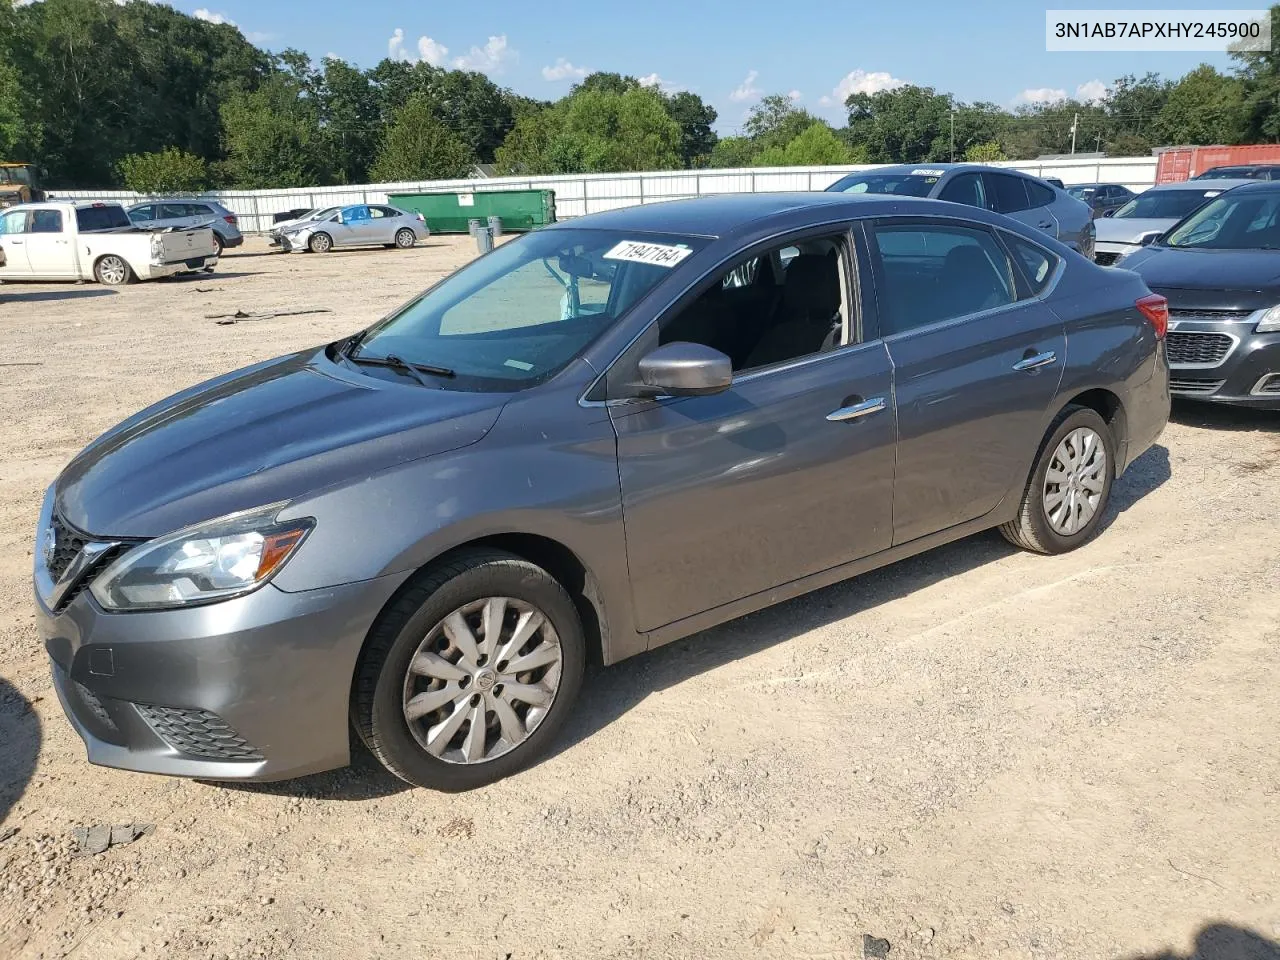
(112,270)
(405,239)
(482,680)
(1074,481)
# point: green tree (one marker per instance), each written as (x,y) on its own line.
(168,171)
(1132,104)
(984,152)
(607,132)
(695,118)
(775,121)
(349,118)
(1205,107)
(1259,72)
(731,152)
(271,138)
(815,145)
(904,125)
(419,147)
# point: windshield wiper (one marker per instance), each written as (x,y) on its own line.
(415,370)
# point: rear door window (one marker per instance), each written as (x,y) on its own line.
(965,188)
(930,272)
(142,214)
(1008,193)
(173,211)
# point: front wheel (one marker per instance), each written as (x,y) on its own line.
(469,675)
(320,243)
(112,270)
(1070,485)
(405,238)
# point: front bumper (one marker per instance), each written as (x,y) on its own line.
(252,688)
(1229,362)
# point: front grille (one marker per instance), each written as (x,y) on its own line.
(1105,258)
(67,544)
(1187,346)
(1188,313)
(198,733)
(1191,385)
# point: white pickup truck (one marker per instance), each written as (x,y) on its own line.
(95,241)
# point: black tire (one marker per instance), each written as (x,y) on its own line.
(1031,528)
(377,693)
(217,245)
(406,238)
(112,270)
(320,243)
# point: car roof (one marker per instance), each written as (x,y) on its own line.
(723,215)
(1256,186)
(900,168)
(1221,183)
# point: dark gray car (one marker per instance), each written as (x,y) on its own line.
(596,439)
(185,214)
(1029,200)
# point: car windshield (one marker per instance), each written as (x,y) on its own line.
(518,315)
(916,183)
(1248,220)
(321,214)
(15,175)
(1164,204)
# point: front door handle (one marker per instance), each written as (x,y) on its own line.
(1036,361)
(856,410)
(1045,226)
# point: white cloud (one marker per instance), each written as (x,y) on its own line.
(747,90)
(1091,91)
(658,83)
(861,81)
(208,16)
(563,70)
(490,58)
(1040,95)
(428,49)
(794,95)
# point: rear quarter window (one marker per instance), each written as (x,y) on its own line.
(1039,194)
(89,219)
(1010,194)
(1037,263)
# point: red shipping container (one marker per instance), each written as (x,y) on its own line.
(1176,164)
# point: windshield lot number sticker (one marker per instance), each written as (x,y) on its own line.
(655,254)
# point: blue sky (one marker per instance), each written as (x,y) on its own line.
(729,53)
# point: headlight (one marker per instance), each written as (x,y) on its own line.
(1268,320)
(209,561)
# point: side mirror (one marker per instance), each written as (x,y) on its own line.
(685,370)
(1109,213)
(337,218)
(1147,239)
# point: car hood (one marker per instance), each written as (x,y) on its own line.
(271,432)
(1129,229)
(1210,279)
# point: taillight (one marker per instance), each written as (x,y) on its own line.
(230,218)
(1156,309)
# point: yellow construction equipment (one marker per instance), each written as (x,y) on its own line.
(19,183)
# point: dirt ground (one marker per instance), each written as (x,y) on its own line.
(978,753)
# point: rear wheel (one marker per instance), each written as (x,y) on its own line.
(1070,485)
(217,245)
(405,238)
(112,270)
(469,675)
(320,243)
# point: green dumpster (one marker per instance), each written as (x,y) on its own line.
(449,212)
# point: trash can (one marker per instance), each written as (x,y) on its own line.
(484,239)
(495,226)
(473,226)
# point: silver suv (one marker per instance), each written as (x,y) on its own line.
(191,213)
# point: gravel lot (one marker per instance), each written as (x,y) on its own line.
(976,753)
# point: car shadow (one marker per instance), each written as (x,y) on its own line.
(74,293)
(202,277)
(1222,417)
(1223,941)
(364,779)
(610,692)
(20,737)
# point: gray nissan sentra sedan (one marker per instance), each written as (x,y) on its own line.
(600,437)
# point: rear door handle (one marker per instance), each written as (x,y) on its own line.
(1045,226)
(1036,362)
(856,410)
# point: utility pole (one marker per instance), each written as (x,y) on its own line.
(953,134)
(1075,122)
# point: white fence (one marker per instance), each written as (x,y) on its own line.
(580,194)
